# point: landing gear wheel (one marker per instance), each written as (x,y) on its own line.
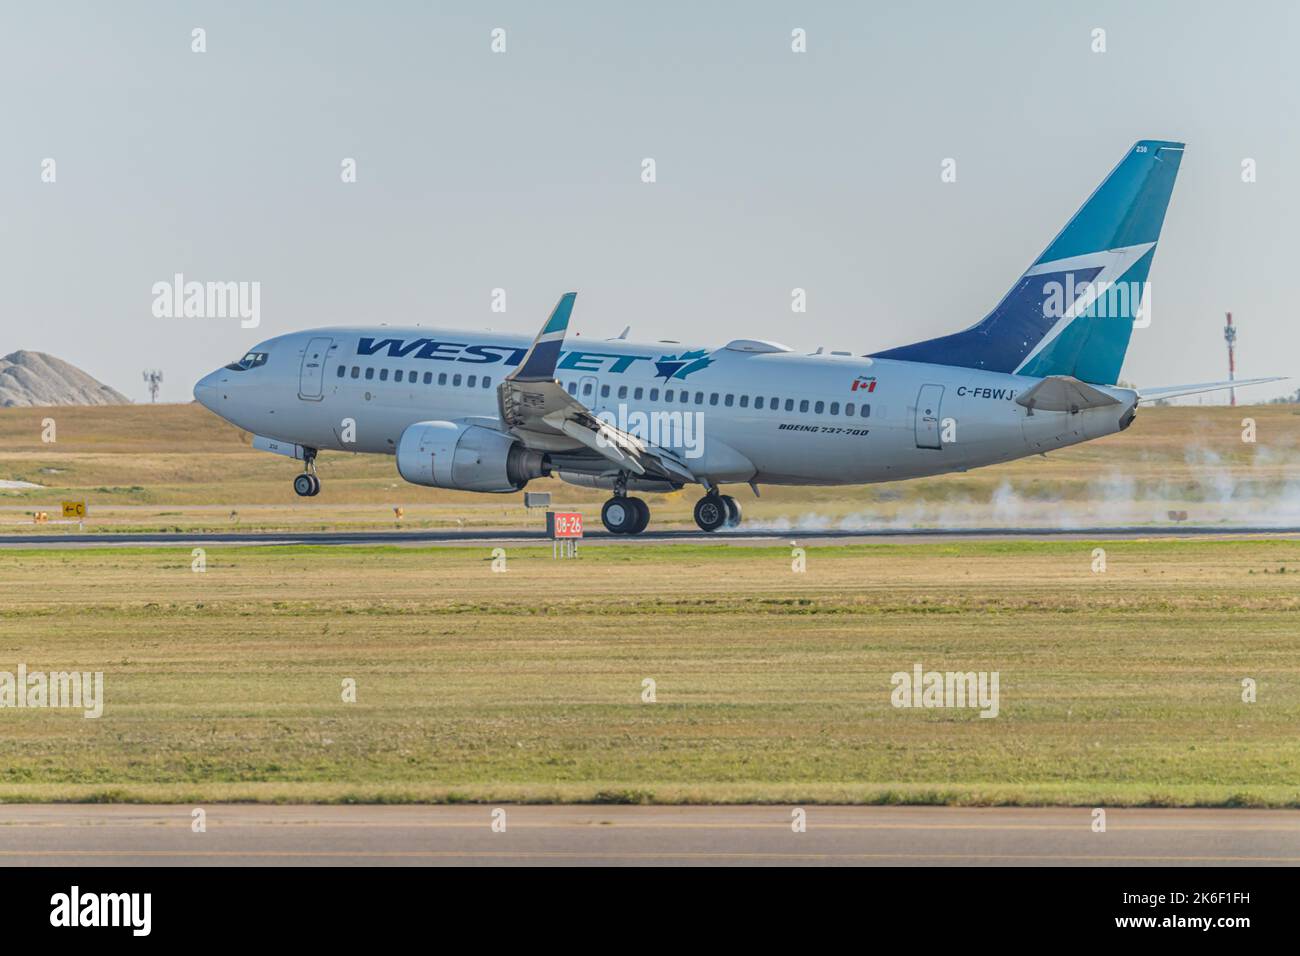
(306,485)
(733,510)
(621,516)
(710,512)
(643,514)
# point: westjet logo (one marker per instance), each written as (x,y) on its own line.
(669,367)
(571,360)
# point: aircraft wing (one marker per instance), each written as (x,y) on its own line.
(536,408)
(1175,391)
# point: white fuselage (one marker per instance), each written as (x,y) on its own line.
(920,419)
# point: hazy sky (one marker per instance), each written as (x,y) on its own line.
(522,170)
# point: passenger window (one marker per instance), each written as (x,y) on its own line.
(848,409)
(487,381)
(397,376)
(819,407)
(442,378)
(356,370)
(342,370)
(835,408)
(803,406)
(636,395)
(622,391)
(654,394)
(776,404)
(744,401)
(699,398)
(866,411)
(604,391)
(455,380)
(758,402)
(728,400)
(668,395)
(428,378)
(383,375)
(713,398)
(370,373)
(573,388)
(586,389)
(472,381)
(789,404)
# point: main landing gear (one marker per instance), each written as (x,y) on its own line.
(307,485)
(624,515)
(715,511)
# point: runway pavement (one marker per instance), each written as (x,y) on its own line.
(756,535)
(251,835)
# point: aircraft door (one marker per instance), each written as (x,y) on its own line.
(589,391)
(928,403)
(311,377)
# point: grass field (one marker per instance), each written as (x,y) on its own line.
(1117,688)
(165,467)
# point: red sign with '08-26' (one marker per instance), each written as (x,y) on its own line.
(566,524)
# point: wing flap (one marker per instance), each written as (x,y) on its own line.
(536,408)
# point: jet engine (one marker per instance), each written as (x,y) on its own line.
(466,457)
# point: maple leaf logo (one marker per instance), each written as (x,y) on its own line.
(669,367)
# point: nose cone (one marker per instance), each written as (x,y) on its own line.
(205,391)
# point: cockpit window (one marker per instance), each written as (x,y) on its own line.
(251,360)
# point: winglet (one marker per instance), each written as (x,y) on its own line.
(539,364)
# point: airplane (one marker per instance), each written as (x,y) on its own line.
(489,412)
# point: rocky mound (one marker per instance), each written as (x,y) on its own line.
(34,378)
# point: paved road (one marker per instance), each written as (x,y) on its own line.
(740,536)
(243,835)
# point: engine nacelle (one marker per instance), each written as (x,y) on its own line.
(466,458)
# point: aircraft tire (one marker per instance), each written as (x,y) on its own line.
(710,513)
(733,511)
(643,515)
(620,516)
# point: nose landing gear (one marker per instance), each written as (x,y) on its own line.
(307,485)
